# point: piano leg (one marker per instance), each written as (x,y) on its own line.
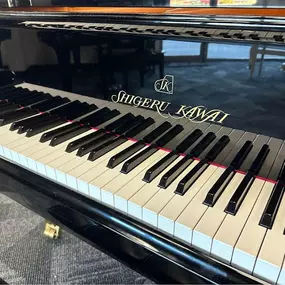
(51,230)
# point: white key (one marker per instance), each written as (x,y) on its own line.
(247,249)
(271,255)
(31,147)
(133,185)
(88,171)
(112,180)
(145,193)
(80,166)
(48,154)
(184,225)
(154,206)
(10,140)
(178,203)
(22,143)
(66,163)
(68,172)
(229,232)
(207,227)
(43,153)
(64,157)
(250,240)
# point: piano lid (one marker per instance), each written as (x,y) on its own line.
(227,14)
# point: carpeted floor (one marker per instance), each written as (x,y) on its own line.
(28,257)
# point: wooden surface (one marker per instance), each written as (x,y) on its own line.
(254,11)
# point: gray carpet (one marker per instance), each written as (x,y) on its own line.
(28,257)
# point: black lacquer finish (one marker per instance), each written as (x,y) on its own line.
(140,247)
(200,67)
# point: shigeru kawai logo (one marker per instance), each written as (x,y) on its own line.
(165,85)
(196,114)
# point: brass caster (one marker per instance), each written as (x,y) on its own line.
(51,230)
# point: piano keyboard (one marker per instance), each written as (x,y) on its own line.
(217,189)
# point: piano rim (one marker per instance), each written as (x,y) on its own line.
(140,234)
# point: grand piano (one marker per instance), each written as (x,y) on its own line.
(152,130)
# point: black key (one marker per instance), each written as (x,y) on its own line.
(106,118)
(100,117)
(68,135)
(157,132)
(176,170)
(7,88)
(106,147)
(124,154)
(93,144)
(8,96)
(191,177)
(16,115)
(8,107)
(129,125)
(241,155)
(167,160)
(139,158)
(247,181)
(270,211)
(91,119)
(157,168)
(23,127)
(51,123)
(30,100)
(219,186)
(49,104)
(21,95)
(171,134)
(195,173)
(82,141)
(17,124)
(239,194)
(217,148)
(49,135)
(62,110)
(18,102)
(258,162)
(119,122)
(36,99)
(139,128)
(80,110)
(69,111)
(271,208)
(203,144)
(185,144)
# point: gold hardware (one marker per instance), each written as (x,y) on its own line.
(51,230)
